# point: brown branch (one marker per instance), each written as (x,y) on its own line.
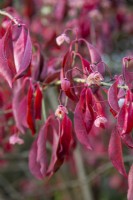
(4,13)
(85,188)
(80,80)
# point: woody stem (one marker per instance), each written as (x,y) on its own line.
(2,12)
(80,80)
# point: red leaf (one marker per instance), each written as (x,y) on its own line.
(94,54)
(38,159)
(127,74)
(30,110)
(66,139)
(41,149)
(125,116)
(55,161)
(51,133)
(15,51)
(95,57)
(128,140)
(19,105)
(69,91)
(7,67)
(60,9)
(38,163)
(38,103)
(37,64)
(22,49)
(115,152)
(65,84)
(71,95)
(86,65)
(34,166)
(112,97)
(89,115)
(81,129)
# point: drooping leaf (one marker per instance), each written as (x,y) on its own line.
(125,116)
(95,57)
(19,105)
(37,64)
(115,152)
(22,49)
(56,161)
(38,102)
(128,140)
(48,136)
(30,109)
(38,162)
(7,66)
(15,51)
(127,74)
(86,65)
(113,98)
(80,127)
(34,166)
(41,149)
(66,139)
(66,67)
(60,10)
(53,137)
(89,114)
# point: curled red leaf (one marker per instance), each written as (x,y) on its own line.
(15,51)
(38,102)
(58,134)
(113,97)
(115,152)
(83,120)
(30,109)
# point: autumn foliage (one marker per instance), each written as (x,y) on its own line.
(66,51)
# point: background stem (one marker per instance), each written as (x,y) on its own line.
(85,188)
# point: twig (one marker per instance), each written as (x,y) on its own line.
(85,188)
(13,194)
(80,80)
(2,12)
(88,178)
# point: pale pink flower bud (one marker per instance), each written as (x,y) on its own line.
(95,15)
(121,102)
(62,38)
(14,139)
(61,111)
(94,78)
(100,121)
(65,84)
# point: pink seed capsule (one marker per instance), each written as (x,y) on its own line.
(62,38)
(100,120)
(94,78)
(15,139)
(61,111)
(65,84)
(121,102)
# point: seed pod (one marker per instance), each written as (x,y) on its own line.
(100,121)
(65,84)
(61,111)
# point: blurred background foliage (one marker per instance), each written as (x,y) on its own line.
(87,175)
